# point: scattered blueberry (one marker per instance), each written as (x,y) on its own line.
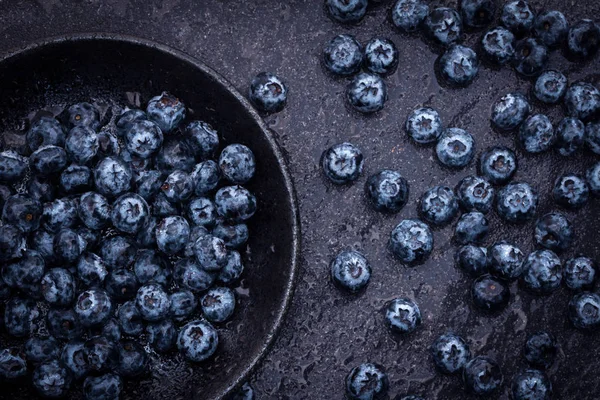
(444,26)
(268,93)
(498,164)
(347,11)
(550,86)
(178,186)
(202,138)
(75,179)
(152,267)
(367,93)
(570,135)
(438,205)
(153,302)
(571,191)
(455,148)
(540,349)
(60,214)
(593,179)
(477,13)
(381,56)
(472,259)
(424,125)
(172,234)
(162,335)
(551,27)
(510,111)
(498,45)
(343,55)
(84,114)
(387,191)
(367,382)
(93,307)
(218,304)
(475,193)
(166,110)
(490,294)
(94,210)
(580,273)
(46,131)
(459,65)
(583,101)
(197,341)
(543,272)
(408,15)
(472,227)
(402,315)
(554,232)
(531,385)
(51,379)
(351,271)
(235,203)
(342,163)
(584,311)
(518,17)
(584,39)
(411,241)
(517,202)
(127,118)
(531,57)
(103,387)
(450,353)
(482,376)
(237,163)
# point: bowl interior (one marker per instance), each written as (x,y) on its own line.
(128,72)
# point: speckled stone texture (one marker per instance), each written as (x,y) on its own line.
(327,332)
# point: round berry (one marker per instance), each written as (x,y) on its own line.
(351,271)
(143,138)
(593,179)
(162,335)
(570,135)
(408,15)
(82,144)
(197,341)
(517,202)
(93,307)
(152,267)
(444,26)
(342,163)
(381,56)
(387,191)
(91,269)
(472,227)
(45,131)
(172,234)
(103,387)
(498,164)
(551,27)
(153,302)
(183,304)
(450,353)
(13,166)
(531,384)
(498,45)
(505,261)
(12,364)
(367,381)
(268,93)
(118,252)
(130,213)
(554,232)
(347,11)
(210,252)
(438,205)
(540,349)
(202,138)
(12,242)
(112,177)
(68,245)
(218,304)
(189,274)
(580,273)
(537,134)
(531,57)
(130,319)
(482,376)
(583,101)
(59,214)
(42,349)
(543,272)
(63,324)
(205,177)
(343,55)
(472,259)
(51,379)
(583,39)
(21,317)
(510,111)
(571,191)
(133,359)
(424,125)
(475,193)
(23,212)
(232,271)
(58,287)
(584,311)
(166,110)
(367,93)
(48,160)
(490,294)
(121,284)
(402,315)
(477,13)
(237,163)
(411,241)
(459,65)
(175,154)
(235,203)
(518,16)
(455,148)
(592,136)
(550,87)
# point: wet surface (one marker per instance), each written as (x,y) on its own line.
(326,333)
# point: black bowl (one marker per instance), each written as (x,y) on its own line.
(125,70)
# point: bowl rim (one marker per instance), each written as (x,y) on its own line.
(291,199)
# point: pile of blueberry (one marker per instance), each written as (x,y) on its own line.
(118,238)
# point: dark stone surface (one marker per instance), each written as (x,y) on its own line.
(326,332)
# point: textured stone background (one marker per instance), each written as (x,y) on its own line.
(326,333)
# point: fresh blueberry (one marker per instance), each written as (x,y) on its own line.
(580,273)
(517,202)
(23,212)
(146,237)
(149,184)
(162,335)
(189,274)
(166,110)
(197,341)
(531,385)
(46,131)
(554,232)
(178,186)
(455,148)
(91,270)
(482,376)
(12,364)
(472,227)
(195,232)
(450,353)
(408,15)
(540,349)
(584,311)
(63,324)
(108,144)
(570,135)
(137,164)
(118,252)
(25,273)
(202,211)
(94,210)
(472,259)
(235,203)
(128,117)
(518,16)
(13,166)
(232,271)
(477,13)
(202,139)
(571,191)
(205,177)
(175,154)
(351,271)
(381,56)
(152,267)
(60,214)
(210,252)
(583,101)
(592,136)
(498,45)
(342,163)
(143,138)
(551,27)
(459,65)
(82,144)
(543,272)
(402,315)
(498,164)
(387,191)
(510,111)
(444,26)
(112,177)
(111,330)
(121,284)
(490,294)
(51,379)
(183,304)
(367,93)
(246,392)
(411,241)
(75,179)
(172,234)
(584,39)
(130,319)
(73,358)
(237,163)
(531,57)
(129,213)
(218,304)
(593,179)
(153,302)
(367,382)
(424,125)
(103,387)
(347,11)
(162,207)
(100,354)
(92,237)
(133,359)
(268,93)
(550,87)
(438,205)
(85,115)
(12,242)
(93,307)
(21,317)
(68,245)
(42,349)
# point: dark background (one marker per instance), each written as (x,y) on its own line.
(326,333)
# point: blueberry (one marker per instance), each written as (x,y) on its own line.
(531,57)
(551,28)
(408,15)
(121,284)
(51,379)
(60,214)
(571,191)
(455,148)
(130,319)
(205,177)
(351,271)
(108,145)
(112,177)
(129,213)
(46,131)
(162,207)
(137,164)
(12,364)
(152,267)
(438,205)
(235,203)
(490,294)
(100,354)
(175,154)
(531,385)
(12,242)
(143,138)
(367,93)
(189,274)
(202,138)
(93,307)
(477,13)
(570,135)
(218,304)
(82,144)
(162,335)
(210,252)
(459,65)
(43,242)
(197,341)
(584,39)
(195,232)
(444,26)
(342,163)
(472,227)
(92,237)
(472,259)
(475,193)
(347,11)
(172,234)
(118,252)
(518,16)
(583,101)
(498,45)
(166,111)
(149,183)
(244,393)
(94,210)
(178,186)
(450,353)
(73,358)
(510,111)
(543,272)
(133,359)
(146,237)
(75,179)
(498,164)
(592,136)
(21,317)
(202,211)
(232,271)
(127,118)
(580,273)
(68,245)
(103,387)
(42,349)
(387,191)
(63,324)
(550,87)
(593,179)
(13,166)
(268,93)
(91,269)
(424,125)
(482,376)
(402,315)
(23,212)
(517,202)
(381,56)
(554,232)
(367,382)
(584,311)
(85,115)
(183,304)
(111,330)
(25,273)
(505,261)
(411,241)
(153,302)
(540,349)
